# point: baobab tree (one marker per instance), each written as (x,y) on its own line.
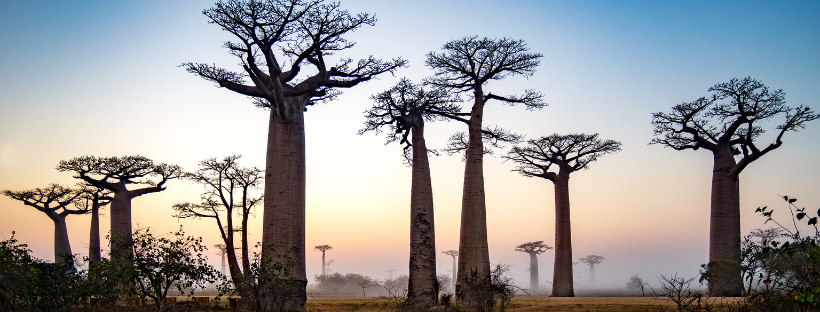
(467,65)
(569,153)
(115,174)
(274,39)
(767,234)
(728,124)
(454,254)
(230,189)
(323,248)
(592,260)
(223,251)
(94,199)
(533,249)
(403,109)
(54,200)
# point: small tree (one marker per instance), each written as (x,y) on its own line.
(323,248)
(467,65)
(54,200)
(570,153)
(637,283)
(533,249)
(592,260)
(229,190)
(117,174)
(161,263)
(728,124)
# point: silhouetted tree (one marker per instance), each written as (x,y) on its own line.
(274,39)
(403,109)
(93,199)
(727,124)
(467,65)
(592,260)
(229,190)
(454,254)
(767,234)
(53,200)
(323,248)
(115,174)
(569,153)
(533,249)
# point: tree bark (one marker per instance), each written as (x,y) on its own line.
(421,288)
(533,271)
(724,226)
(562,284)
(473,252)
(121,230)
(284,206)
(324,266)
(62,246)
(94,252)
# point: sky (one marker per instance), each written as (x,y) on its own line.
(103,78)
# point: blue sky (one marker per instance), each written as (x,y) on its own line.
(102,78)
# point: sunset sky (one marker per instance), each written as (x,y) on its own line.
(103,78)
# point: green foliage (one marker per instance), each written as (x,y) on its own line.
(161,263)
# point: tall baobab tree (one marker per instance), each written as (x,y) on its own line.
(592,260)
(274,39)
(727,124)
(223,252)
(93,198)
(115,174)
(533,249)
(569,153)
(467,65)
(403,109)
(323,248)
(53,200)
(229,190)
(454,254)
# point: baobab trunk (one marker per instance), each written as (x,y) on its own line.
(533,271)
(121,231)
(62,247)
(284,215)
(324,265)
(473,253)
(421,287)
(562,284)
(724,232)
(94,252)
(592,273)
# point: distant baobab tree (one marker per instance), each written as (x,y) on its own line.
(592,260)
(767,234)
(94,199)
(323,248)
(467,65)
(533,249)
(55,201)
(223,251)
(117,174)
(403,109)
(230,189)
(569,153)
(727,123)
(454,254)
(274,39)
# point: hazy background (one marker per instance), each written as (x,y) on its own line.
(102,78)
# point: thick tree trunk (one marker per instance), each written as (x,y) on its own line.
(421,288)
(324,265)
(62,247)
(533,271)
(724,228)
(473,252)
(592,273)
(562,285)
(94,252)
(283,231)
(121,230)
(455,271)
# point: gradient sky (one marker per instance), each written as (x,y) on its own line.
(102,78)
